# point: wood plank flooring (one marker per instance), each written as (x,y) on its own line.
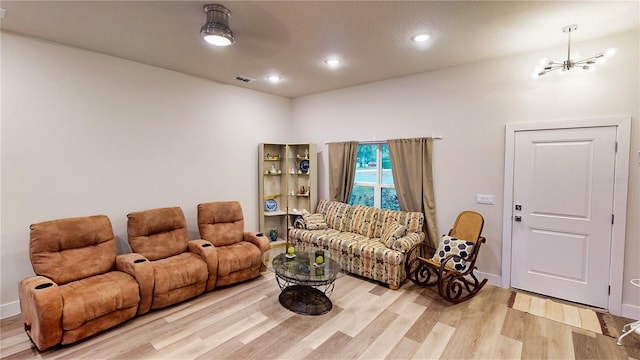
(368,321)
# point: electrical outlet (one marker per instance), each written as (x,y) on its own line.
(485,199)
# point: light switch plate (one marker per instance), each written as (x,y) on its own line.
(485,199)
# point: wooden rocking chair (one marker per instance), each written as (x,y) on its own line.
(451,266)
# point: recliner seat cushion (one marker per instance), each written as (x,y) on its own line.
(236,257)
(88,299)
(178,272)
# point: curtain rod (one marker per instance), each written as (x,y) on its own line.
(434,137)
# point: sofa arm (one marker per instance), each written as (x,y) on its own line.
(261,241)
(41,308)
(299,223)
(209,254)
(141,270)
(406,242)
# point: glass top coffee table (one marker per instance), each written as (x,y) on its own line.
(306,286)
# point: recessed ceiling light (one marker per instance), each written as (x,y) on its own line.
(333,62)
(421,37)
(275,78)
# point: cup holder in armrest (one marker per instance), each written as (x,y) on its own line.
(138,261)
(206,245)
(259,234)
(43,286)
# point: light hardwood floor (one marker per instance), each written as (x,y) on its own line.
(368,321)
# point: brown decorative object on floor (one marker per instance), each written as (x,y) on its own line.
(563,312)
(451,266)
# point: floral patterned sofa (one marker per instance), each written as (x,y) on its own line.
(366,241)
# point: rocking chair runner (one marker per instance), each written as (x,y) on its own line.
(451,272)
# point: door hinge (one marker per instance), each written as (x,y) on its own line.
(613,217)
(616,146)
(609,289)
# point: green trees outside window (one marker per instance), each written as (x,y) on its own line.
(373,183)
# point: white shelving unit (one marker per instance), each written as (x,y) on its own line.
(287,180)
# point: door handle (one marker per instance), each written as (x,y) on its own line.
(517,218)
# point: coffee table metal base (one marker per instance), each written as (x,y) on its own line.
(305,300)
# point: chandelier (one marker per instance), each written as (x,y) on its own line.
(547,65)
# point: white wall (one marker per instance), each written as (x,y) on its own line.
(84,133)
(470,106)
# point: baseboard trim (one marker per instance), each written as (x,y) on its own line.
(491,279)
(631,311)
(9,309)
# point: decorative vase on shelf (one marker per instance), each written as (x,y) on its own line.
(273,234)
(273,170)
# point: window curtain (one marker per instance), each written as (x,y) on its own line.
(342,169)
(411,161)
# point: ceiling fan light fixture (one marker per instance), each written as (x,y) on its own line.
(572,61)
(216,30)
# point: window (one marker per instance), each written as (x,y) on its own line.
(373,184)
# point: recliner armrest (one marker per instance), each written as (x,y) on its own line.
(141,270)
(258,239)
(41,309)
(209,254)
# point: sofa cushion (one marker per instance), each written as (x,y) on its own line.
(176,272)
(90,298)
(412,220)
(237,257)
(391,233)
(335,212)
(72,249)
(315,221)
(158,233)
(221,223)
(460,249)
(362,220)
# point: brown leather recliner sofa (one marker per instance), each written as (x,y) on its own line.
(182,269)
(239,252)
(81,287)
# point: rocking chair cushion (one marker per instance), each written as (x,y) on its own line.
(315,221)
(461,249)
(391,233)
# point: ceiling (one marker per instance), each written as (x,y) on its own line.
(293,38)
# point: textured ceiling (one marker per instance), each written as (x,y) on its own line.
(292,38)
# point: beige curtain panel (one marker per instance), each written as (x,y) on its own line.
(342,169)
(411,161)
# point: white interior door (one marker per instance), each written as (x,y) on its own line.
(563,191)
